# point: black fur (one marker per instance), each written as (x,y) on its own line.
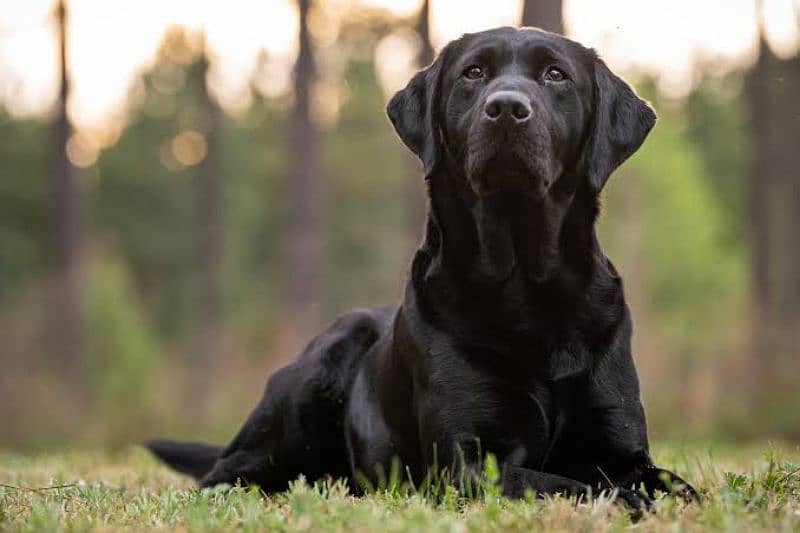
(190,458)
(513,336)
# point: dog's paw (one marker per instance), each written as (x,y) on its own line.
(636,502)
(660,480)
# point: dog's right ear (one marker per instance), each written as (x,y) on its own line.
(412,113)
(621,124)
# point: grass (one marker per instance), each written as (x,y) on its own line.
(745,490)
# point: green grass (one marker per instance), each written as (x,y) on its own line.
(745,490)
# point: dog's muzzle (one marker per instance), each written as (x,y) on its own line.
(507,149)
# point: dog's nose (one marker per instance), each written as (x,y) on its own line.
(503,105)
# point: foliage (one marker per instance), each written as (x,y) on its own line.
(123,348)
(694,278)
(716,125)
(368,243)
(24,235)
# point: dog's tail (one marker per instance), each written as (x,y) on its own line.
(191,458)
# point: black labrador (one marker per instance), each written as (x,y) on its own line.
(513,336)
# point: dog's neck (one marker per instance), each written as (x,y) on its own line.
(487,240)
(498,255)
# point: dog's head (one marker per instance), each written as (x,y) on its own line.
(517,109)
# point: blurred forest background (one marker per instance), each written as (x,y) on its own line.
(156,267)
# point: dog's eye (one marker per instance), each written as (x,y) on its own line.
(555,74)
(474,72)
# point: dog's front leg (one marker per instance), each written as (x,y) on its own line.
(643,473)
(461,454)
(618,420)
(516,482)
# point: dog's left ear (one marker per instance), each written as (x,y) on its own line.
(412,113)
(622,121)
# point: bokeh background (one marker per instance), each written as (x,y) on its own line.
(190,189)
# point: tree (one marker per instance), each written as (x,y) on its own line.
(415,192)
(66,219)
(209,222)
(304,246)
(772,86)
(545,14)
(426,51)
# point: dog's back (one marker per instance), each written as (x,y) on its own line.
(297,426)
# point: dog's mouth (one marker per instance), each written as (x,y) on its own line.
(508,167)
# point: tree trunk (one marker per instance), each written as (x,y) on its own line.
(67,315)
(210,246)
(426,51)
(544,14)
(772,87)
(304,247)
(415,190)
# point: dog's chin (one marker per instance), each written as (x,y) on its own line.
(506,172)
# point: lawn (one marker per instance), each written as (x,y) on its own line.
(744,488)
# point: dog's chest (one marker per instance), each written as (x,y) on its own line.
(544,422)
(550,399)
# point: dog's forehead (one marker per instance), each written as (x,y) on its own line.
(522,39)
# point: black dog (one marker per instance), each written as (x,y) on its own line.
(514,336)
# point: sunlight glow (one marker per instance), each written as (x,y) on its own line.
(452,18)
(28,58)
(395,57)
(782,24)
(189,147)
(666,39)
(82,150)
(402,8)
(111,42)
